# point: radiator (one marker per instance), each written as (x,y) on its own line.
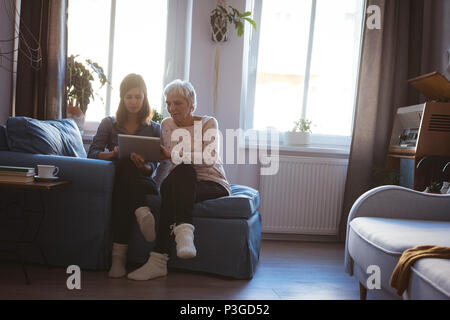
(304,197)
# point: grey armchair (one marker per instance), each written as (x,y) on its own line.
(383,223)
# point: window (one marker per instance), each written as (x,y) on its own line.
(123,37)
(303,63)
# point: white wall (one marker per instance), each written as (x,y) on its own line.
(203,51)
(6,33)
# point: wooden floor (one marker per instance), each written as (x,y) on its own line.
(286,270)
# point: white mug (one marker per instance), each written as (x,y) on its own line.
(47,171)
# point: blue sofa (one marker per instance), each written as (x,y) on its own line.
(76,229)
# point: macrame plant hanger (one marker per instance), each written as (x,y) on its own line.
(24,40)
(219,35)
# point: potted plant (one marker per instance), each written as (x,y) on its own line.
(435,187)
(157,117)
(79,79)
(299,135)
(384,176)
(221,16)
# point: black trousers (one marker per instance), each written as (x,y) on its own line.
(179,192)
(130,189)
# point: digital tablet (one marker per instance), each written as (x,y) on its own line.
(147,147)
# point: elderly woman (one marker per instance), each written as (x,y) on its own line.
(193,176)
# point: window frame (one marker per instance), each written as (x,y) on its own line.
(177,52)
(250,65)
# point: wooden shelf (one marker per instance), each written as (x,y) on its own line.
(35,185)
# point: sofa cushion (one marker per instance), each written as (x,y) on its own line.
(394,236)
(430,279)
(243,203)
(3,142)
(381,241)
(50,137)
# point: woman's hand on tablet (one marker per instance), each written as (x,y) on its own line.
(165,154)
(138,161)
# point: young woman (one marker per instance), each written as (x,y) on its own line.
(133,177)
(194,180)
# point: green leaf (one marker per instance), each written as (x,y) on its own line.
(253,23)
(240,28)
(245,14)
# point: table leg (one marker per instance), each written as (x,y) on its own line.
(44,210)
(26,217)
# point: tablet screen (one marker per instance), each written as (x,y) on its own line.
(147,147)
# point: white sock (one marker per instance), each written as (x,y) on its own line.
(184,237)
(146,223)
(119,261)
(156,266)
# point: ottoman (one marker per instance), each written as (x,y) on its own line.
(227,236)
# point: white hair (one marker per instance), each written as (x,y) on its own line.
(184,89)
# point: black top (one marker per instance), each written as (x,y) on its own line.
(107,136)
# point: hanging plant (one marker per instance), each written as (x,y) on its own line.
(221,17)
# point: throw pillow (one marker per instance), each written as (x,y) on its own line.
(51,137)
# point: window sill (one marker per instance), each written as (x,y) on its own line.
(325,150)
(337,150)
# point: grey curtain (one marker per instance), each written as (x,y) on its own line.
(390,56)
(56,102)
(40,89)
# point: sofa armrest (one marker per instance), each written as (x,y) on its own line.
(398,203)
(76,227)
(401,203)
(90,175)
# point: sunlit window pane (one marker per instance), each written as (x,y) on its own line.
(285,29)
(139,45)
(334,66)
(140,41)
(284,33)
(88,36)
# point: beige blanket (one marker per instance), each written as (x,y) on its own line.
(400,275)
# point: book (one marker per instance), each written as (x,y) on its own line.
(17,173)
(16,170)
(5,178)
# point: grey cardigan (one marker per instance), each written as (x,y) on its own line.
(107,136)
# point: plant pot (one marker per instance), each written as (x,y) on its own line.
(427,190)
(76,115)
(219,28)
(297,138)
(219,35)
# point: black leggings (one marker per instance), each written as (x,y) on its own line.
(130,188)
(179,192)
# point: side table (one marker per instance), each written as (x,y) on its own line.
(26,217)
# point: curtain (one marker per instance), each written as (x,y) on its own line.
(390,56)
(40,89)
